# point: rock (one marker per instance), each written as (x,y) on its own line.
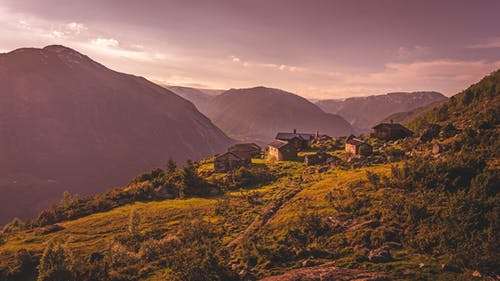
(450,267)
(421,265)
(379,255)
(243,273)
(408,272)
(235,266)
(476,274)
(307,263)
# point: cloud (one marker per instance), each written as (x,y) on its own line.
(446,76)
(76,27)
(412,52)
(105,42)
(487,44)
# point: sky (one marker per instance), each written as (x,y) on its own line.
(316,48)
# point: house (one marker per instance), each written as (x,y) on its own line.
(391,131)
(356,146)
(282,150)
(230,161)
(299,140)
(248,150)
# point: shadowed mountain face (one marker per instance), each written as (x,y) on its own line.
(365,112)
(69,123)
(257,114)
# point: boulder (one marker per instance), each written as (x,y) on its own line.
(379,255)
(307,263)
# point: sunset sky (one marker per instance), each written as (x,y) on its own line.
(318,49)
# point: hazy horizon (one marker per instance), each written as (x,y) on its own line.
(317,49)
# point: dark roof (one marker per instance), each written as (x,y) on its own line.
(278,143)
(394,126)
(244,147)
(289,136)
(223,155)
(355,141)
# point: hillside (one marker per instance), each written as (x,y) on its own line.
(478,106)
(408,116)
(201,98)
(404,213)
(257,114)
(69,123)
(365,112)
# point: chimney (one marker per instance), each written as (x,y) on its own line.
(294,131)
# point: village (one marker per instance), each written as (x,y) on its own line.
(388,142)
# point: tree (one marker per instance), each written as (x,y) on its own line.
(133,223)
(55,264)
(171,166)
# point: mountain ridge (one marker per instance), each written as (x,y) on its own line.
(258,113)
(364,112)
(67,118)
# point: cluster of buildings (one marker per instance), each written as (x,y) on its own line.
(287,145)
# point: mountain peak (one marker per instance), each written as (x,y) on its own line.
(58,48)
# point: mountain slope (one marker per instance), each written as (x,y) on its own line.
(69,123)
(381,221)
(201,98)
(365,112)
(479,103)
(257,114)
(408,116)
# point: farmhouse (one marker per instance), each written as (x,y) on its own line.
(391,131)
(298,140)
(230,161)
(356,146)
(281,150)
(248,150)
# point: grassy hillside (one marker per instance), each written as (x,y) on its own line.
(480,103)
(414,210)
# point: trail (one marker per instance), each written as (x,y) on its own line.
(268,212)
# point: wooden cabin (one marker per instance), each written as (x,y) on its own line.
(230,161)
(299,140)
(391,131)
(281,150)
(249,149)
(356,146)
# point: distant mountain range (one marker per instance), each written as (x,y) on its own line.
(69,123)
(256,114)
(365,112)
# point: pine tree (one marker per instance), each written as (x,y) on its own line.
(133,223)
(55,264)
(171,166)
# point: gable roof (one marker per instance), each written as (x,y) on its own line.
(394,126)
(278,143)
(228,154)
(244,147)
(289,136)
(355,141)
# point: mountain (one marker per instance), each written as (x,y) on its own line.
(201,98)
(408,116)
(419,216)
(478,107)
(69,123)
(257,114)
(365,112)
